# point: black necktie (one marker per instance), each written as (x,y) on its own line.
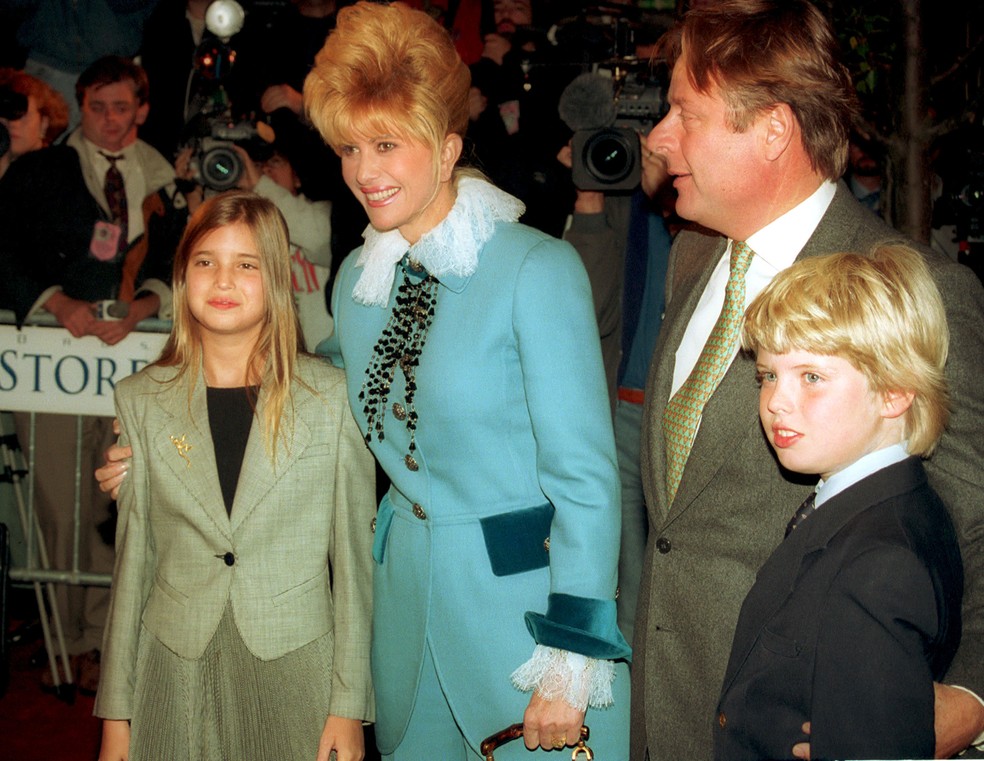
(808,506)
(116,197)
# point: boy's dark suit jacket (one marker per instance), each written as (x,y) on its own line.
(849,622)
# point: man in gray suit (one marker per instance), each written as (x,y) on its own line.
(756,138)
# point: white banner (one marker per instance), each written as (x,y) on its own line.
(45,369)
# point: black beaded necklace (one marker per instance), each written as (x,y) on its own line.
(400,343)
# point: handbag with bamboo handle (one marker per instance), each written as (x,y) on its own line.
(489,744)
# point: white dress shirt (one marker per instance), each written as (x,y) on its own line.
(776,246)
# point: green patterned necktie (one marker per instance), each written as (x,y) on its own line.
(683,411)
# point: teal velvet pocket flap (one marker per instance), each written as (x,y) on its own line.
(515,540)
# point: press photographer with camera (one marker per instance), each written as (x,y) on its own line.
(621,227)
(32,115)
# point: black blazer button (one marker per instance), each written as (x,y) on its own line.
(663,545)
(229,558)
(722,720)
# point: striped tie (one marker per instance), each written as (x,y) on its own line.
(803,512)
(115,191)
(683,411)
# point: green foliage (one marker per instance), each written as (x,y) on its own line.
(870,35)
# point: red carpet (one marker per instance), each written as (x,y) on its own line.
(35,726)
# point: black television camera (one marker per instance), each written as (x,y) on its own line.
(212,137)
(13,105)
(212,131)
(620,100)
(608,112)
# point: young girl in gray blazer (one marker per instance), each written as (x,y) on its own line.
(239,623)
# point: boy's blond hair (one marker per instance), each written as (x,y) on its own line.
(881,311)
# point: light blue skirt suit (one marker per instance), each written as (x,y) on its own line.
(514,445)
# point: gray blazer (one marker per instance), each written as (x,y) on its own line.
(180,557)
(733,502)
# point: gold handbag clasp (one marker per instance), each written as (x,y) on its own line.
(581,748)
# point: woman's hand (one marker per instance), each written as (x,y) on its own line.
(551,724)
(115,744)
(345,737)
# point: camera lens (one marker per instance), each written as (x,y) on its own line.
(221,168)
(608,156)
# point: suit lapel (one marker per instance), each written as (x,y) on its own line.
(259,474)
(184,444)
(776,580)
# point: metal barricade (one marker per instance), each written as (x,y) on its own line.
(44,369)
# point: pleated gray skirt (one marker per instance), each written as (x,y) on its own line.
(229,705)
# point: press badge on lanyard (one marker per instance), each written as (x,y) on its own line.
(105,243)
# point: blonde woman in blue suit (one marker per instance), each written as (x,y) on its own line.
(474,371)
(239,622)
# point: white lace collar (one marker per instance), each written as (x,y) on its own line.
(449,248)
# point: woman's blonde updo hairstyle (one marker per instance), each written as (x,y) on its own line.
(388,70)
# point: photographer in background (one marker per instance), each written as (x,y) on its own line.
(519,80)
(32,112)
(624,241)
(622,227)
(67,264)
(74,244)
(178,89)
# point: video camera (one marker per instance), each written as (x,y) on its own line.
(960,166)
(212,137)
(608,112)
(212,131)
(619,100)
(13,105)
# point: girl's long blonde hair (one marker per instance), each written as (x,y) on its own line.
(272,361)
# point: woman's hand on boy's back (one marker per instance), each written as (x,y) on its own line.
(115,744)
(345,737)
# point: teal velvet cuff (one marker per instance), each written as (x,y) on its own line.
(579,624)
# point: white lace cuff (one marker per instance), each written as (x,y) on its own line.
(581,681)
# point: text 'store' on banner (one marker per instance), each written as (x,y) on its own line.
(46,369)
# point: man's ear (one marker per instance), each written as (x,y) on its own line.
(780,128)
(142,112)
(896,403)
